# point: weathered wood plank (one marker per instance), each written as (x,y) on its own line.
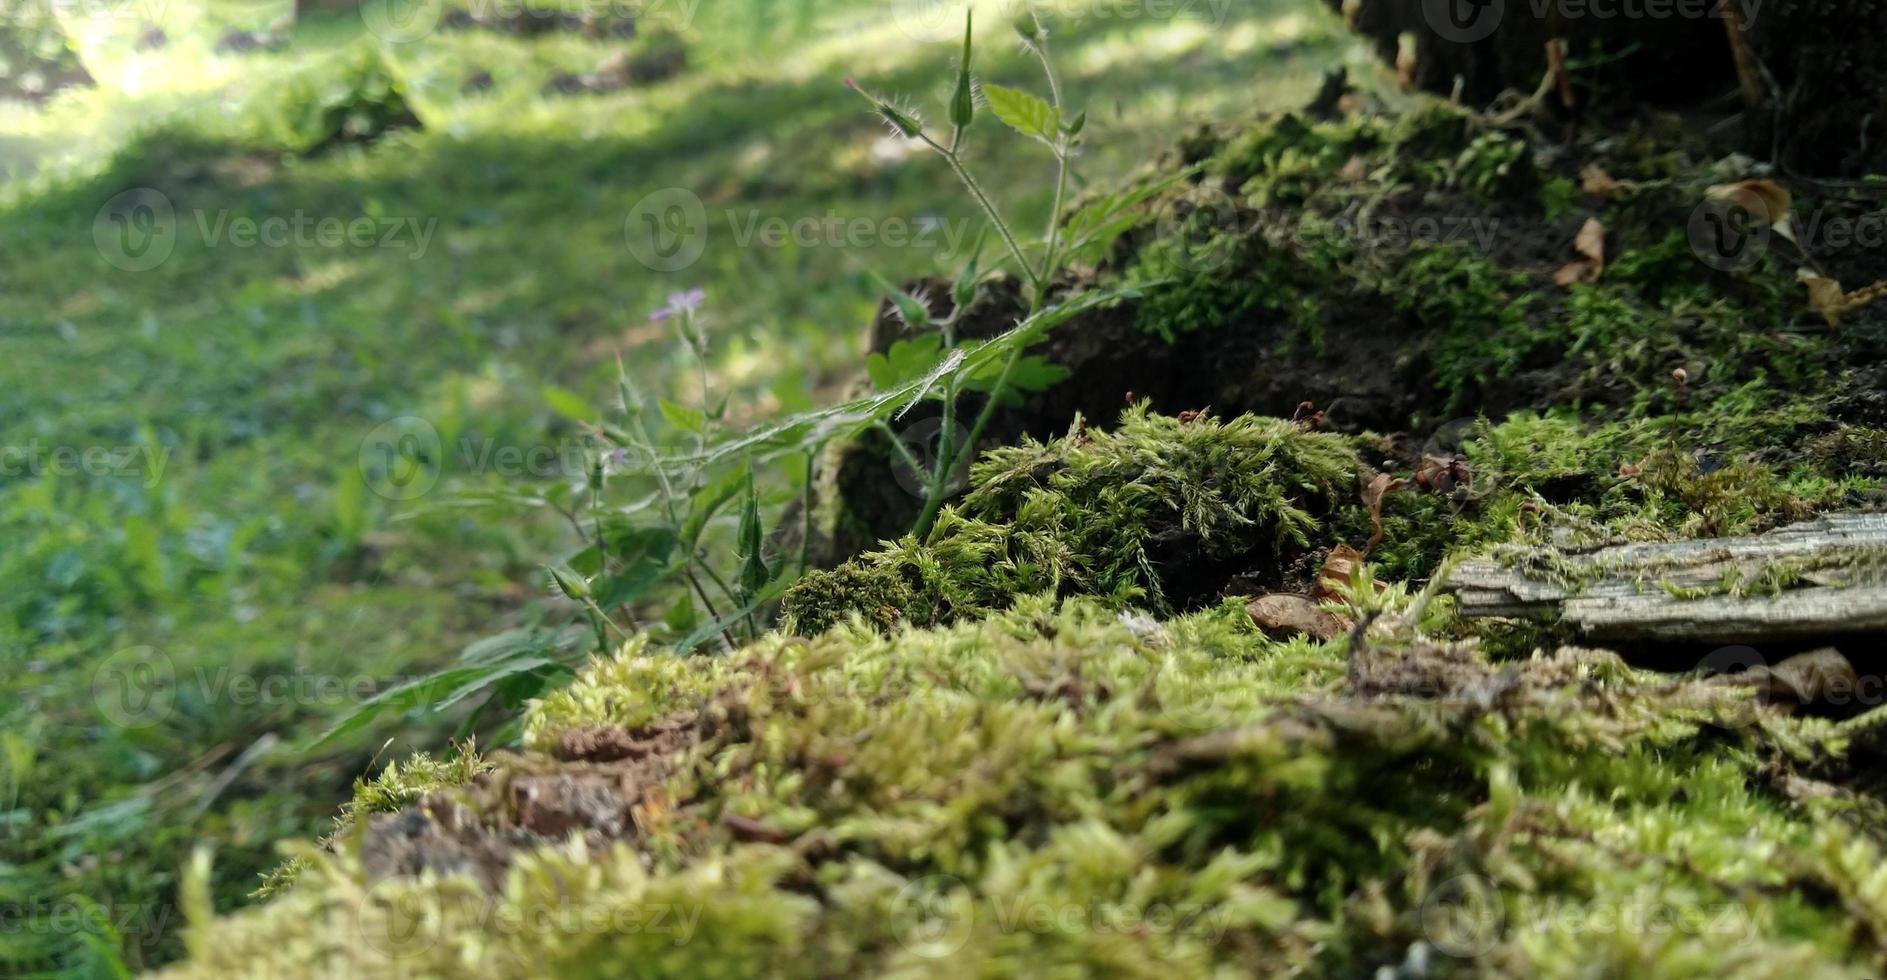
(1817,578)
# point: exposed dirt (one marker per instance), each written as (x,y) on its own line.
(593,783)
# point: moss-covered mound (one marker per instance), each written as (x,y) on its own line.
(1177,512)
(1064,790)
(1409,274)
(1161,510)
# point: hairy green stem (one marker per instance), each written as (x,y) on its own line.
(989,207)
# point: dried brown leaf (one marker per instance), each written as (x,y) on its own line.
(1767,200)
(1373,494)
(1339,570)
(1595,181)
(1288,614)
(1590,244)
(1825,295)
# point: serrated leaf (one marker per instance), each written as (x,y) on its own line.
(682,417)
(1031,373)
(1021,111)
(1096,225)
(905,360)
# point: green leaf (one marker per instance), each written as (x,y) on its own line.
(1095,227)
(481,665)
(753,565)
(707,631)
(963,291)
(1032,373)
(569,404)
(416,693)
(1022,112)
(706,502)
(684,418)
(905,360)
(491,677)
(645,554)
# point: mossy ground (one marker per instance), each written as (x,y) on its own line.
(1061,789)
(1034,742)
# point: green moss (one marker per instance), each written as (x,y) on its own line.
(398,785)
(1565,479)
(1287,160)
(1059,789)
(1479,311)
(1098,513)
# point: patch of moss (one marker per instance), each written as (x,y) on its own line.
(1479,311)
(1286,160)
(399,784)
(1563,478)
(1059,789)
(1133,514)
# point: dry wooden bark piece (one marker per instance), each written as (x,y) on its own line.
(1818,578)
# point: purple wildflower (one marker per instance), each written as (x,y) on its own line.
(680,303)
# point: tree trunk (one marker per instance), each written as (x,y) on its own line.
(1809,75)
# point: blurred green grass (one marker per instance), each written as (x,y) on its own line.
(259,567)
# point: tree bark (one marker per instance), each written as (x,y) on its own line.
(1809,76)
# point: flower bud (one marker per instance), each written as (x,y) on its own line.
(1028,27)
(569,583)
(963,103)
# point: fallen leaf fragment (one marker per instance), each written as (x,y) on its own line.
(1373,494)
(1825,295)
(1595,181)
(1767,200)
(1590,244)
(1287,614)
(1806,678)
(1339,571)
